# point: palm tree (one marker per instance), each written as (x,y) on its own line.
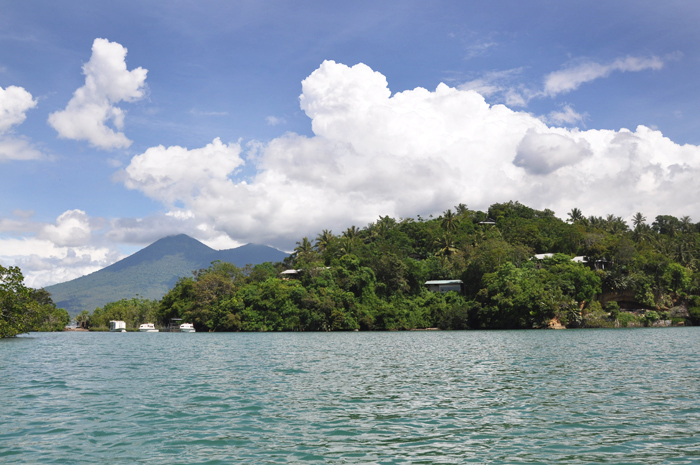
(575,216)
(684,252)
(445,245)
(449,221)
(347,245)
(638,219)
(324,239)
(686,224)
(596,221)
(643,233)
(303,247)
(352,232)
(461,209)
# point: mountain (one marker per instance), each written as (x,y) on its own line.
(152,271)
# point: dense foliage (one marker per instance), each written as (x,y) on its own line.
(23,309)
(373,278)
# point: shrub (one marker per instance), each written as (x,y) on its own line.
(613,308)
(694,313)
(650,317)
(625,318)
(595,317)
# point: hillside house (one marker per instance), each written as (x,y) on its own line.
(446,285)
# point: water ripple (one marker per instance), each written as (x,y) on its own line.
(592,396)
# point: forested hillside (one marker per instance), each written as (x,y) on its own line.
(372,278)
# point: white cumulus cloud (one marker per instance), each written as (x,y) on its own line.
(93,106)
(176,173)
(14,103)
(72,228)
(54,252)
(44,263)
(414,152)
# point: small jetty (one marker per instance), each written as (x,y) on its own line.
(173,326)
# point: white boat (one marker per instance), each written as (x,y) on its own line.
(117,326)
(148,328)
(187,328)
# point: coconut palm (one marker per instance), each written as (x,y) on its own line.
(445,245)
(303,247)
(686,224)
(575,216)
(638,219)
(449,221)
(324,239)
(352,232)
(643,234)
(461,209)
(347,245)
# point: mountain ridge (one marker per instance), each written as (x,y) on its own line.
(152,271)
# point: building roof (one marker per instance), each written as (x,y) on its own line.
(444,281)
(542,256)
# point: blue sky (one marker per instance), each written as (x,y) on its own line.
(555,104)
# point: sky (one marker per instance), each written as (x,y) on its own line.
(267,121)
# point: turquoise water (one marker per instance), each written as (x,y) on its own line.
(586,396)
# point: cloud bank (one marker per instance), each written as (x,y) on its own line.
(414,152)
(93,106)
(55,252)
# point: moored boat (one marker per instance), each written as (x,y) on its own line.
(116,326)
(187,328)
(148,328)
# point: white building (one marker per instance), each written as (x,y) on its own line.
(446,285)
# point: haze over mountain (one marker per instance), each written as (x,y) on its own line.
(152,271)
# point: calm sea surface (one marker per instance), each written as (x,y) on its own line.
(586,396)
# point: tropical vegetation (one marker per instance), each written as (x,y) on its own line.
(24,309)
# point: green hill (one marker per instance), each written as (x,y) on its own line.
(151,272)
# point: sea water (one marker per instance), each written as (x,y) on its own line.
(628,396)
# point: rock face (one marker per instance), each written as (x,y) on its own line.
(625,299)
(555,324)
(681,311)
